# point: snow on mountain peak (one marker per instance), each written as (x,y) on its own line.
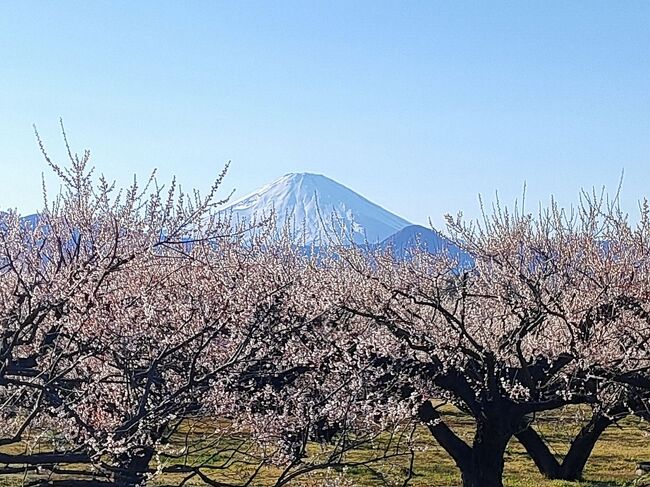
(316,207)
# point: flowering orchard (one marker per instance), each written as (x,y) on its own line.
(144,334)
(133,317)
(552,312)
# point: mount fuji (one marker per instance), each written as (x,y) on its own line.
(317,210)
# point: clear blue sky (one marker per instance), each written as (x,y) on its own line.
(419,106)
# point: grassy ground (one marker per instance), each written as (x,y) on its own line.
(612,463)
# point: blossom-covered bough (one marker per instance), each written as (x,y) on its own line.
(553,312)
(144,334)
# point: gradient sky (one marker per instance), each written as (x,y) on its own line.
(419,106)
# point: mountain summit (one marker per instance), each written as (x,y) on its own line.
(317,209)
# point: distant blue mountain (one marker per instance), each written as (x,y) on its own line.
(418,238)
(31,219)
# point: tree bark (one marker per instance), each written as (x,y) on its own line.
(539,451)
(43,458)
(485,467)
(481,465)
(581,448)
(133,468)
(455,446)
(574,462)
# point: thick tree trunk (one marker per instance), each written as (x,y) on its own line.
(481,465)
(133,469)
(574,462)
(539,451)
(581,448)
(485,466)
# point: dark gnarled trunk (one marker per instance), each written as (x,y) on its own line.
(574,462)
(539,451)
(581,448)
(133,468)
(481,464)
(485,465)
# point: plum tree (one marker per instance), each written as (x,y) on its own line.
(551,313)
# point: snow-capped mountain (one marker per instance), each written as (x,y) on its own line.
(317,210)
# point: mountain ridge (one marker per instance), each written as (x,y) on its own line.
(406,241)
(318,208)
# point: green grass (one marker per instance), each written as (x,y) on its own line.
(612,463)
